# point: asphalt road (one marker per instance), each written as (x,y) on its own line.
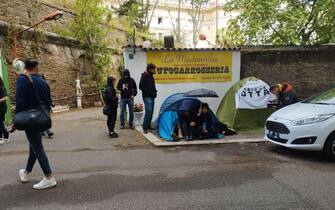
(95,172)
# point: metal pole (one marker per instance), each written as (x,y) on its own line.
(217,23)
(20,32)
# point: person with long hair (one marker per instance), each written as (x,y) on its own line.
(31,91)
(4,135)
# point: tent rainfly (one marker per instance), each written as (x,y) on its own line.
(241,119)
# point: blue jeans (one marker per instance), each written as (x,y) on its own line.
(149,104)
(36,151)
(123,103)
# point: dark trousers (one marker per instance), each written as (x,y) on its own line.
(36,151)
(111,119)
(207,135)
(188,130)
(3,131)
(123,103)
(149,104)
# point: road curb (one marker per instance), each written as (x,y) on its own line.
(160,143)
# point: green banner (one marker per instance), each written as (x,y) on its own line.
(4,76)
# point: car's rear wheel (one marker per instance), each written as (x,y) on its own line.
(329,147)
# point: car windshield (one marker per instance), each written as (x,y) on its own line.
(327,98)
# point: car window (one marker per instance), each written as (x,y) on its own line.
(327,97)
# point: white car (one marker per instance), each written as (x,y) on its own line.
(307,125)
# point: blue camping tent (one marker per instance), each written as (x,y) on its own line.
(168,113)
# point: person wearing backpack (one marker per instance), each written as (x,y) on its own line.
(111,104)
(33,92)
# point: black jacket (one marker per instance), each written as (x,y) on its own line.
(148,86)
(286,99)
(3,105)
(110,96)
(205,118)
(287,96)
(190,117)
(127,86)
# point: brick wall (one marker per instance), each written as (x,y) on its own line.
(309,69)
(26,12)
(60,57)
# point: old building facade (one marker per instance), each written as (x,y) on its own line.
(163,19)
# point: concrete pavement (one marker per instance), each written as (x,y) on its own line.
(95,172)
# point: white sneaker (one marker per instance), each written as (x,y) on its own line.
(45,183)
(6,140)
(2,141)
(23,176)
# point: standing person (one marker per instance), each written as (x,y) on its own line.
(111,105)
(4,135)
(31,91)
(149,93)
(128,88)
(49,131)
(285,95)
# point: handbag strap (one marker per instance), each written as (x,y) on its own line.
(38,97)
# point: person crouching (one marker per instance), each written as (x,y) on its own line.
(187,124)
(205,123)
(285,95)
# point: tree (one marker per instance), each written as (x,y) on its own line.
(196,16)
(131,9)
(282,22)
(91,27)
(149,10)
(176,25)
(223,39)
(138,13)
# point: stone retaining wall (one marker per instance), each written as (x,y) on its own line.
(310,69)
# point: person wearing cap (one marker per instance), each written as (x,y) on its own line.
(285,95)
(111,104)
(26,100)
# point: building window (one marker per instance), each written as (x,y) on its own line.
(160,20)
(131,56)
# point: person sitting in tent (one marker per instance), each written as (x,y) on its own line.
(187,124)
(285,95)
(205,123)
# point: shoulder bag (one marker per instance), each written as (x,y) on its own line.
(38,120)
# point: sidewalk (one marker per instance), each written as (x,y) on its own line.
(153,138)
(78,130)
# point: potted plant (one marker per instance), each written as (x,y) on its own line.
(138,113)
